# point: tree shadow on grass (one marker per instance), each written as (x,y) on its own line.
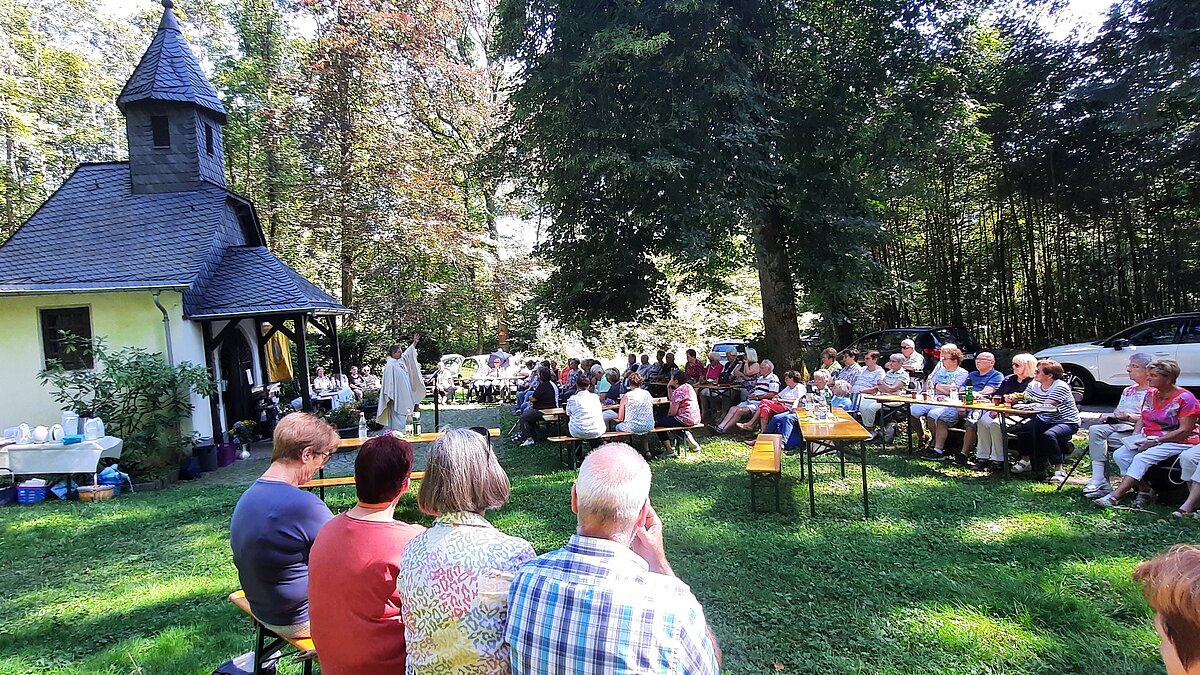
(945,566)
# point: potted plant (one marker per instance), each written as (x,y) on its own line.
(345,420)
(242,435)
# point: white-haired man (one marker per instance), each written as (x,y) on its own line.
(914,361)
(766,386)
(608,601)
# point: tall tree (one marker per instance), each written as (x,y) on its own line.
(712,134)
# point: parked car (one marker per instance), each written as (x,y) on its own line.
(1095,366)
(721,346)
(928,340)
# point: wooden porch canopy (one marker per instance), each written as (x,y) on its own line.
(251,283)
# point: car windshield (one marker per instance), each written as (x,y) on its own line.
(959,336)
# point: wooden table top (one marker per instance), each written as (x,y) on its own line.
(718,386)
(983,407)
(842,428)
(427,437)
(342,481)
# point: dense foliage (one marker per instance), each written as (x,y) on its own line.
(142,399)
(877,162)
(880,162)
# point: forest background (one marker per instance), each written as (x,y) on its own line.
(572,175)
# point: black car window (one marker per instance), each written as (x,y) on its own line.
(1157,333)
(1191,334)
(868,342)
(957,336)
(889,341)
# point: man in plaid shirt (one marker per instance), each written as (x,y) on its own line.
(608,601)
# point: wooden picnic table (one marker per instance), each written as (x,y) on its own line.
(822,437)
(427,437)
(320,484)
(1000,411)
(718,387)
(610,406)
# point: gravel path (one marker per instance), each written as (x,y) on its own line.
(244,472)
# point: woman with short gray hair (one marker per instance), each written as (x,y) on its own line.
(1118,426)
(454,577)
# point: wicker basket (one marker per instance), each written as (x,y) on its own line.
(95,493)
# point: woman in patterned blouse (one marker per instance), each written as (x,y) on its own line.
(454,577)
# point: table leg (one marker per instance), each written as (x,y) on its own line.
(909,425)
(841,451)
(812,498)
(1003,441)
(866,504)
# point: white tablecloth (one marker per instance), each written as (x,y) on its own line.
(58,458)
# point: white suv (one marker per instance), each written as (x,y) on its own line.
(1091,365)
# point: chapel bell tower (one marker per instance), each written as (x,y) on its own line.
(173,117)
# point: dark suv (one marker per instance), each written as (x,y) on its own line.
(929,341)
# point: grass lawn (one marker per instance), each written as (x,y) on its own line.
(953,573)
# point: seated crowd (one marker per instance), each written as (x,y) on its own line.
(595,399)
(339,389)
(1154,422)
(378,595)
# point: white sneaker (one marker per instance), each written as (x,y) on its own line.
(1097,490)
(1058,477)
(1021,467)
(528,442)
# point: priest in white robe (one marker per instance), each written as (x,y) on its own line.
(401,387)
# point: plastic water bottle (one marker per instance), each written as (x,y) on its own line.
(408,425)
(362,425)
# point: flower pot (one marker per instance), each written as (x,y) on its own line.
(226,453)
(207,454)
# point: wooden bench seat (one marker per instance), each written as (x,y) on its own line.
(266,642)
(765,465)
(427,437)
(564,441)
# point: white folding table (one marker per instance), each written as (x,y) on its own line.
(46,458)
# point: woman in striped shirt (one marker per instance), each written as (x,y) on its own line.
(1051,430)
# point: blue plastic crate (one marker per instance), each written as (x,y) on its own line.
(30,495)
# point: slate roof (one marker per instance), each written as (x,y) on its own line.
(250,280)
(169,71)
(95,234)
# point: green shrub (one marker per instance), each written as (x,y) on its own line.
(142,399)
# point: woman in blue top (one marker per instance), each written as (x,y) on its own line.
(1051,430)
(275,523)
(948,376)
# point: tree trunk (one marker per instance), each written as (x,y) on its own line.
(780,322)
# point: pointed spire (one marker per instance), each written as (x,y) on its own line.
(169,71)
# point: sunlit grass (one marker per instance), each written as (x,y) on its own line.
(953,574)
